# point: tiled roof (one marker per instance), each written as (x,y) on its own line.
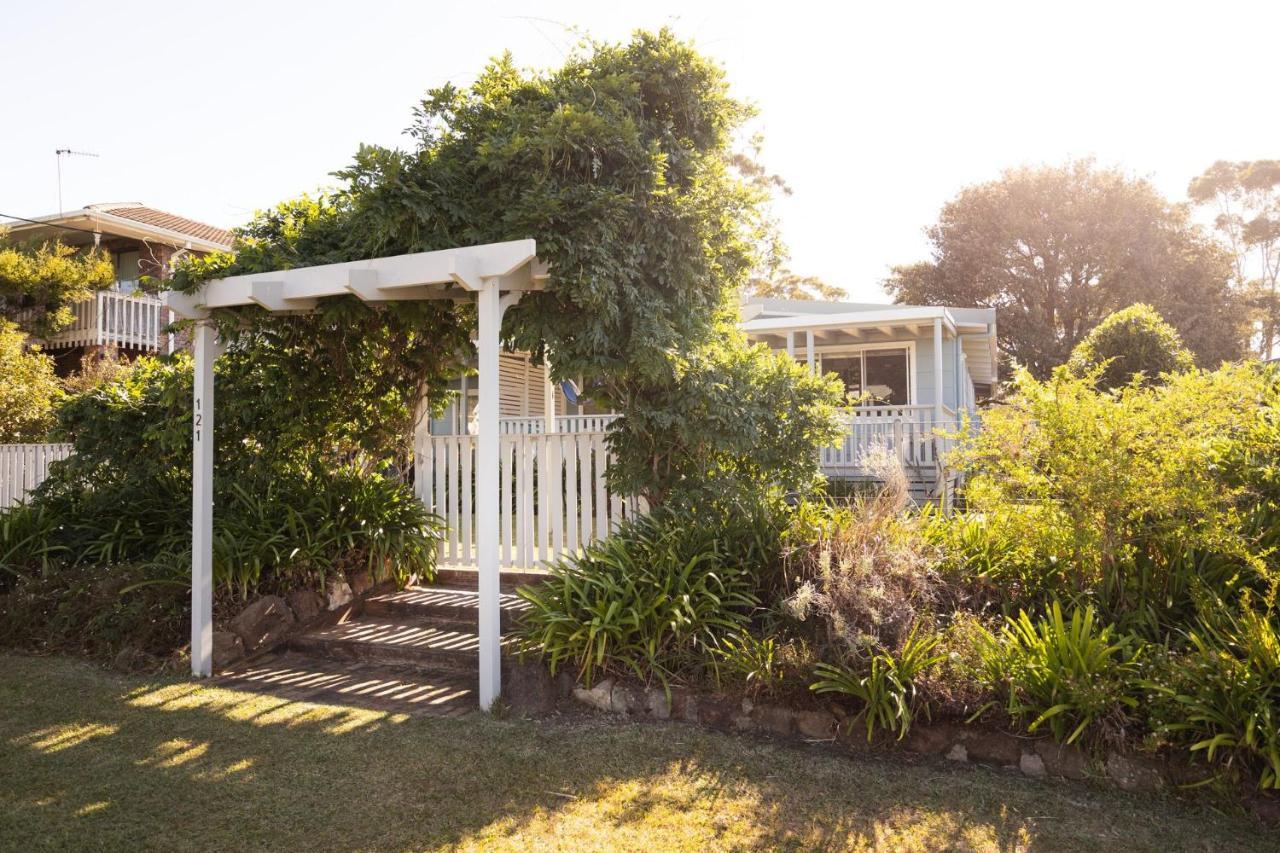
(172,222)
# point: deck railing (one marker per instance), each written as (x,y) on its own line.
(129,321)
(564,423)
(915,434)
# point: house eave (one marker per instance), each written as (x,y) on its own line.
(109,224)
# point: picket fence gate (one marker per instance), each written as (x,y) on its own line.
(554,498)
(25,466)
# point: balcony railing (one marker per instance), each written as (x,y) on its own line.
(130,321)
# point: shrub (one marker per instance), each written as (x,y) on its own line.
(755,663)
(727,421)
(1125,494)
(1008,557)
(886,685)
(1135,340)
(29,388)
(1222,698)
(295,529)
(870,577)
(27,542)
(97,611)
(654,600)
(1074,675)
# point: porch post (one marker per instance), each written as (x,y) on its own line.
(489,309)
(808,348)
(202,501)
(791,344)
(937,372)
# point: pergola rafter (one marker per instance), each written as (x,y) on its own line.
(494,275)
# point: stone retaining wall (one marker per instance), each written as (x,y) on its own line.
(532,690)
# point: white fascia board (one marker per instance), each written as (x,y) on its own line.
(399,276)
(906,314)
(167,235)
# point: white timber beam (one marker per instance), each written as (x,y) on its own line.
(271,296)
(464,269)
(363,284)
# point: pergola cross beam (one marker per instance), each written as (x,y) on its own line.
(495,275)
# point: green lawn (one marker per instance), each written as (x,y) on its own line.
(91,759)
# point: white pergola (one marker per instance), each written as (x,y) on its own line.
(495,275)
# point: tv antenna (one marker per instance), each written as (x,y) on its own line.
(67,152)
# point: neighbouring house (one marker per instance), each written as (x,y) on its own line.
(142,241)
(914,375)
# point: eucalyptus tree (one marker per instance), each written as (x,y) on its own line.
(1246,196)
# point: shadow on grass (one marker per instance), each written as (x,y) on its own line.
(90,759)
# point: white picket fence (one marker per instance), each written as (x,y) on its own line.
(24,466)
(553,496)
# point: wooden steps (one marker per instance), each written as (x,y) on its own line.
(421,643)
(462,577)
(305,678)
(413,650)
(447,606)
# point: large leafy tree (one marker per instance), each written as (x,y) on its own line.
(1246,196)
(38,284)
(620,164)
(1057,249)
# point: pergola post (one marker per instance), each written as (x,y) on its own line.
(489,309)
(205,345)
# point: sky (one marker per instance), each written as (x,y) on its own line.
(875,114)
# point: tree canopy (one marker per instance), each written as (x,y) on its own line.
(785,284)
(1247,197)
(1133,340)
(38,284)
(620,164)
(28,388)
(1057,249)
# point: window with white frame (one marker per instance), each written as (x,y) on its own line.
(874,375)
(127,272)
